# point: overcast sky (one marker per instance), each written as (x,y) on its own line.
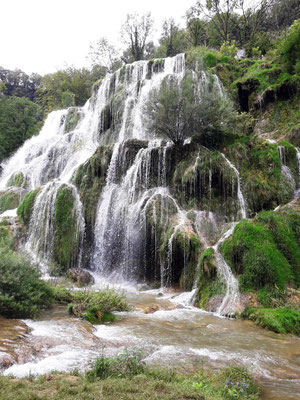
(45,35)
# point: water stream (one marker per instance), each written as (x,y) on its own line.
(167,331)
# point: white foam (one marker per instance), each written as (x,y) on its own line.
(9,214)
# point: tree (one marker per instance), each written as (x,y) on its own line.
(58,89)
(173,40)
(196,29)
(219,12)
(19,84)
(183,108)
(251,20)
(135,32)
(280,14)
(19,120)
(102,53)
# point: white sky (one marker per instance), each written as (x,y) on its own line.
(45,35)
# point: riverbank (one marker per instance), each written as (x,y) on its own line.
(167,330)
(127,377)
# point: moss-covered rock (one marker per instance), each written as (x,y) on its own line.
(9,200)
(209,285)
(265,252)
(16,180)
(179,253)
(202,179)
(90,180)
(26,207)
(260,168)
(111,115)
(66,233)
(72,119)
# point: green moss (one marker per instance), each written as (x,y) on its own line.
(260,168)
(210,60)
(16,180)
(186,248)
(65,245)
(209,283)
(72,119)
(122,74)
(265,252)
(9,200)
(26,207)
(280,320)
(290,157)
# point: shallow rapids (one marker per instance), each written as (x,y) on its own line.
(167,330)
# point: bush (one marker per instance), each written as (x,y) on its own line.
(291,47)
(229,49)
(210,60)
(124,365)
(22,292)
(181,109)
(95,307)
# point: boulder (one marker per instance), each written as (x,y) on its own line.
(82,277)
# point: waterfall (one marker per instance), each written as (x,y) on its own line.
(239,191)
(285,170)
(137,88)
(119,230)
(42,226)
(230,303)
(136,188)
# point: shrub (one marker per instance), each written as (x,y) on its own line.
(181,109)
(229,49)
(291,47)
(210,60)
(95,307)
(124,365)
(22,292)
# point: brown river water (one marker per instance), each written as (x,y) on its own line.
(168,331)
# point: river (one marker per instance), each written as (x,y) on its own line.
(168,331)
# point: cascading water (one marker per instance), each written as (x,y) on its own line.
(51,159)
(119,225)
(239,192)
(285,170)
(298,165)
(231,301)
(136,180)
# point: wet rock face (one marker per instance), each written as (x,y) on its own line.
(11,198)
(81,277)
